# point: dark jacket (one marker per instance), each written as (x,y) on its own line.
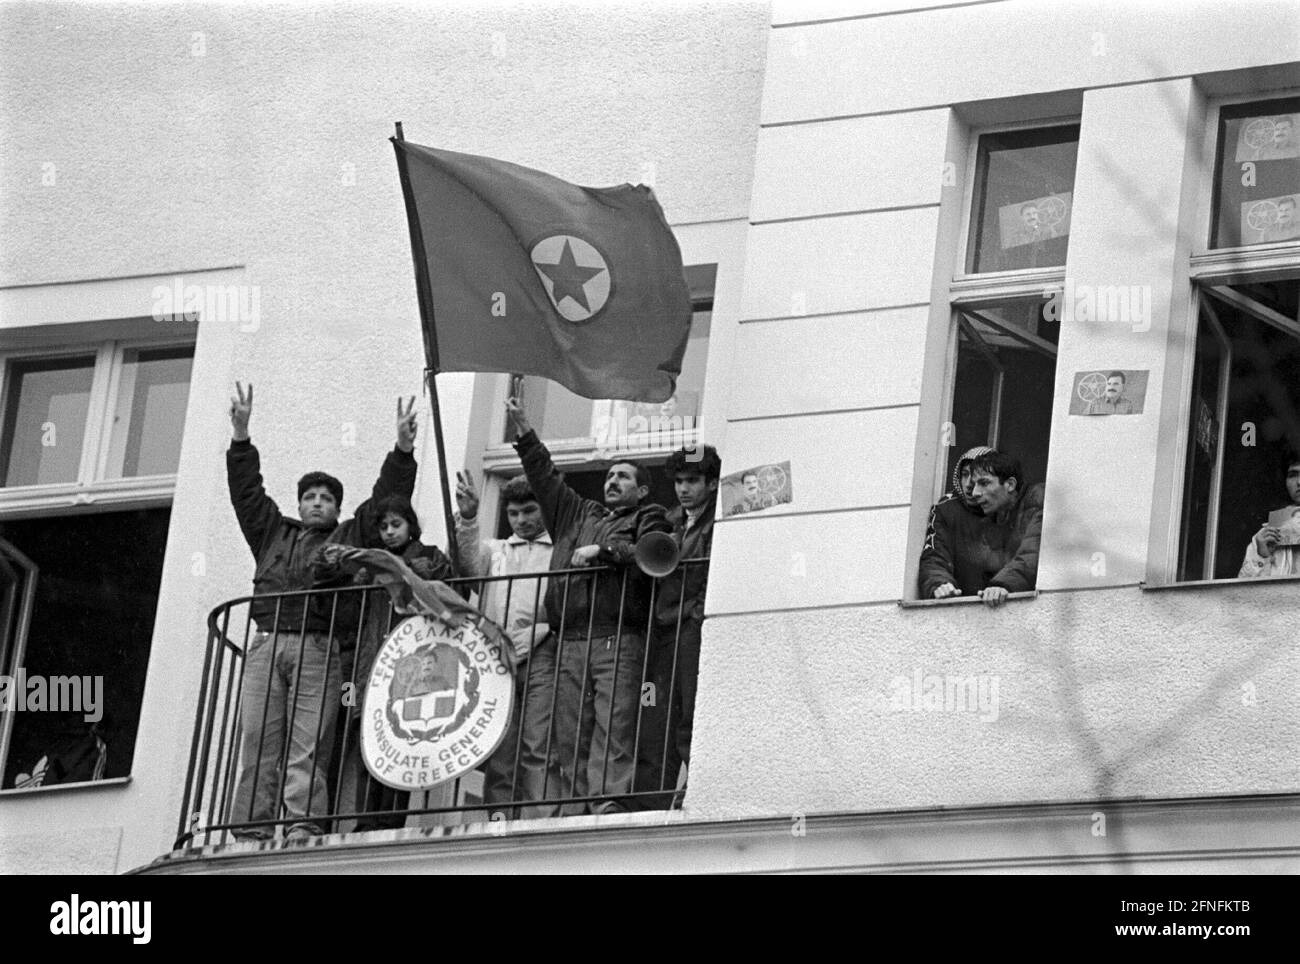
(686,584)
(284,548)
(575,522)
(974,552)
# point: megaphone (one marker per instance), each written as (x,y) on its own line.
(657,554)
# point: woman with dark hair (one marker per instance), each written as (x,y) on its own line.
(399,533)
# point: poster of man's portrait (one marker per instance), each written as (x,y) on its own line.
(1035,220)
(1109,391)
(1271,138)
(761,487)
(1270,219)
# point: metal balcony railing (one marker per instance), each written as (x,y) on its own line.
(540,761)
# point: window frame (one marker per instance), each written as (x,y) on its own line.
(90,491)
(1208,268)
(499,461)
(967,290)
(961,277)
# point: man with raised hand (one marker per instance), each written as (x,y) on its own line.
(596,648)
(517,770)
(292,673)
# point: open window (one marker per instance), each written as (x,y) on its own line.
(1244,420)
(1004,382)
(1243,400)
(583,434)
(90,440)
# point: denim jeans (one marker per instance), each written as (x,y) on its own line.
(596,695)
(291,692)
(505,773)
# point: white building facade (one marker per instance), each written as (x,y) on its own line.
(907,233)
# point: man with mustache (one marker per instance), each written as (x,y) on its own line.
(595,650)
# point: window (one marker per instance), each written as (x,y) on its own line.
(90,440)
(46,413)
(1244,422)
(1005,325)
(1257,180)
(1022,199)
(1003,385)
(1242,405)
(91,419)
(582,434)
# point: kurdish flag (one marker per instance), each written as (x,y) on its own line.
(519,271)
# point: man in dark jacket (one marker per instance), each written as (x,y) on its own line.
(668,711)
(291,676)
(997,554)
(590,664)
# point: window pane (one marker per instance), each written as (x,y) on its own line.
(92,619)
(45,420)
(1263,393)
(1202,451)
(1024,183)
(558,415)
(1258,180)
(150,416)
(1017,414)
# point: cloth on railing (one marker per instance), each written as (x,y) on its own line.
(412,595)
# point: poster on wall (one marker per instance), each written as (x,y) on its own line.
(1270,219)
(1032,221)
(1111,391)
(752,490)
(1270,138)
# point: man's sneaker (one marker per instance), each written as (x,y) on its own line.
(302,831)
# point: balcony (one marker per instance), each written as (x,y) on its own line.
(591,730)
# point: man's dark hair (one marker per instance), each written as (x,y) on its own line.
(1119,375)
(748,475)
(643,476)
(517,491)
(398,505)
(1002,465)
(312,479)
(1291,457)
(708,463)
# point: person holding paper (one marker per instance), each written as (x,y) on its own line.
(1275,550)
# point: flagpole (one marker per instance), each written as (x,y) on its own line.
(424,293)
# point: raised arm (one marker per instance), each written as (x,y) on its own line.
(475,556)
(256,511)
(560,504)
(396,475)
